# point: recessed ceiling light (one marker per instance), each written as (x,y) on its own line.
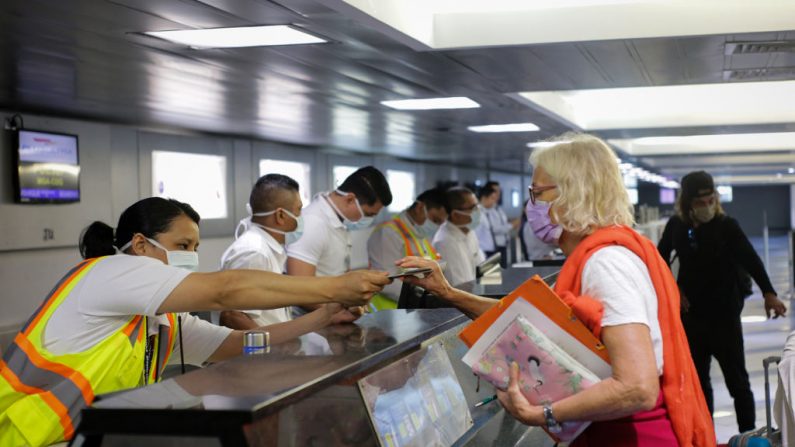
(244,36)
(455,102)
(702,144)
(753,319)
(494,128)
(668,106)
(543,144)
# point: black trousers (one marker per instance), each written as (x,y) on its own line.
(722,338)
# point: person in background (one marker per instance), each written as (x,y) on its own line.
(407,234)
(275,218)
(535,246)
(711,247)
(115,321)
(618,285)
(494,231)
(456,241)
(325,248)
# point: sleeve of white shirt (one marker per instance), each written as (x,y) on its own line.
(248,259)
(623,286)
(201,339)
(128,285)
(310,247)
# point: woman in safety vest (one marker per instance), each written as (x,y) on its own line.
(618,285)
(116,320)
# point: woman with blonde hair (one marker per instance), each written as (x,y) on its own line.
(619,286)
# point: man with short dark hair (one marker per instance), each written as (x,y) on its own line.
(325,249)
(456,241)
(407,234)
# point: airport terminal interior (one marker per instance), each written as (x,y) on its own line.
(397,128)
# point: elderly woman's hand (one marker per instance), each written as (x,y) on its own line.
(433,282)
(516,404)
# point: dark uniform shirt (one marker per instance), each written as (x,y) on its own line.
(711,260)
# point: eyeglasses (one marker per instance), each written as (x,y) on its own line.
(534,192)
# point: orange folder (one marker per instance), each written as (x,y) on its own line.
(539,294)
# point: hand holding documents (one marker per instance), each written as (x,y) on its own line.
(557,355)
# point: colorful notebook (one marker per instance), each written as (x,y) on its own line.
(546,372)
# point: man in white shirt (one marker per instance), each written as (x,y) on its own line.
(325,248)
(456,241)
(275,208)
(407,234)
(495,229)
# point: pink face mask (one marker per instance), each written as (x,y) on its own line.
(540,222)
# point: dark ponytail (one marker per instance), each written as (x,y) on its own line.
(150,217)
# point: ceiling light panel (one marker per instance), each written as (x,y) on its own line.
(707,144)
(246,36)
(669,106)
(445,24)
(456,102)
(496,128)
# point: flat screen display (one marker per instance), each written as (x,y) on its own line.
(47,167)
(667,196)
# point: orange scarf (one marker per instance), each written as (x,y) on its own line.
(681,388)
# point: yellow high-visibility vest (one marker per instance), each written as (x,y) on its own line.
(413,245)
(42,394)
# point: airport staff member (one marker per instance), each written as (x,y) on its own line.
(115,321)
(325,248)
(456,241)
(275,208)
(494,230)
(407,234)
(711,247)
(620,288)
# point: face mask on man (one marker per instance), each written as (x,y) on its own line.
(188,260)
(703,214)
(361,224)
(540,222)
(474,215)
(429,228)
(289,236)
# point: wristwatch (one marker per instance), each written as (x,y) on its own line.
(552,424)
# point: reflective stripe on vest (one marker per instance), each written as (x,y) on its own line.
(32,379)
(422,245)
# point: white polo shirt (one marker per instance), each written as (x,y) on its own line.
(326,243)
(256,249)
(114,290)
(460,251)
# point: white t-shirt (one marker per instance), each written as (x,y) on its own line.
(460,251)
(115,289)
(326,243)
(493,221)
(256,249)
(620,280)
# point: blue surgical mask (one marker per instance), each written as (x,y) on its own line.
(474,215)
(361,224)
(289,236)
(429,228)
(188,260)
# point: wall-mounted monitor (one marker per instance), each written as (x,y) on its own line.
(667,196)
(46,167)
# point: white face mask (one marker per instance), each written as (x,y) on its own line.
(188,260)
(289,236)
(361,224)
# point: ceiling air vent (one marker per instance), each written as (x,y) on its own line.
(757,74)
(761,47)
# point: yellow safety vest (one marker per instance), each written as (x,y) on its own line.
(42,394)
(413,245)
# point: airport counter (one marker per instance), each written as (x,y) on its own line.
(394,378)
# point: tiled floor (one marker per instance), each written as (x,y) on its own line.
(762,339)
